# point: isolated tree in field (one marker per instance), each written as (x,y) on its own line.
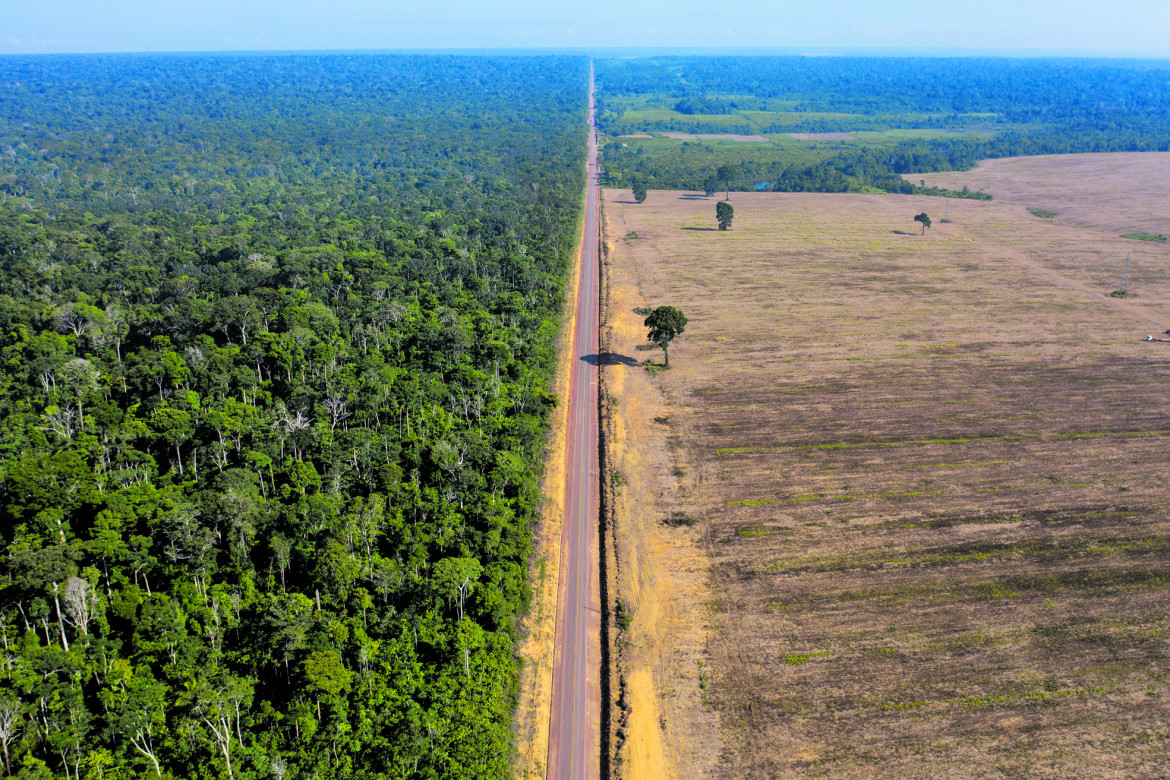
(925,220)
(710,186)
(665,323)
(639,192)
(724,214)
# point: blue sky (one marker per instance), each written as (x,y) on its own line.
(1121,27)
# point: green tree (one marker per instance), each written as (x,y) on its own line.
(724,213)
(924,219)
(726,175)
(10,726)
(456,577)
(639,190)
(665,323)
(326,675)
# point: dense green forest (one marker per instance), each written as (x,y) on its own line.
(277,335)
(902,115)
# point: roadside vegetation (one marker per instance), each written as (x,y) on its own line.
(277,335)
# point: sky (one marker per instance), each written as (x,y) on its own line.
(1078,27)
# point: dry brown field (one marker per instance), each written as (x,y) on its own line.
(901,505)
(1120,193)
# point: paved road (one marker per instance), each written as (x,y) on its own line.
(574,731)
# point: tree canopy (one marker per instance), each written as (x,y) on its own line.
(278,335)
(665,324)
(724,213)
(924,219)
(973,107)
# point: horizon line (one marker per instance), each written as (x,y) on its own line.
(648,51)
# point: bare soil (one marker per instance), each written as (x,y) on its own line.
(928,478)
(1119,193)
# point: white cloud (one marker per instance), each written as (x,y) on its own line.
(17,42)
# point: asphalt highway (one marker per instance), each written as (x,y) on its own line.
(574,729)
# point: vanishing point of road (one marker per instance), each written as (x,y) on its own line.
(575,727)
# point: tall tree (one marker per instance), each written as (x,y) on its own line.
(726,174)
(639,190)
(665,323)
(924,219)
(724,213)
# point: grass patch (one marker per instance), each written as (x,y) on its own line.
(624,617)
(755,529)
(993,591)
(798,659)
(677,519)
(1042,213)
(1158,237)
(984,701)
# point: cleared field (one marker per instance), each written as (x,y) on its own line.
(929,478)
(1123,192)
(759,139)
(823,136)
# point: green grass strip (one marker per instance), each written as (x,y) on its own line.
(819,496)
(1023,437)
(983,701)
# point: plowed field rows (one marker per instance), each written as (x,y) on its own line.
(930,477)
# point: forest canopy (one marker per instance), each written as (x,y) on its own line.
(277,335)
(887,116)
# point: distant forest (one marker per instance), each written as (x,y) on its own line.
(981,108)
(277,335)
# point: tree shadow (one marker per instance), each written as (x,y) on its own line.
(902,233)
(695,197)
(611,359)
(701,230)
(627,202)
